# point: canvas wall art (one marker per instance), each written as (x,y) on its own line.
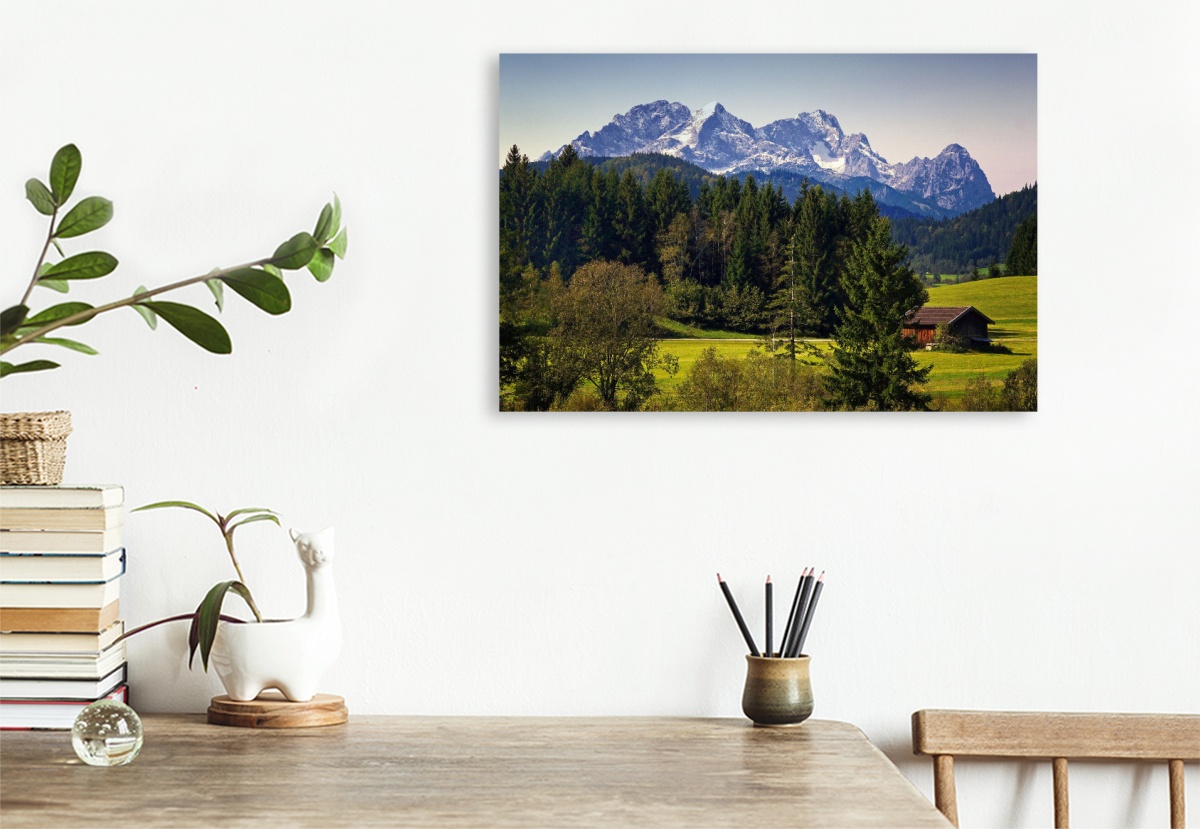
(851,233)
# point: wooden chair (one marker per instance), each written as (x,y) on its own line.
(945,735)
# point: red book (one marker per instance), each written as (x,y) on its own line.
(48,714)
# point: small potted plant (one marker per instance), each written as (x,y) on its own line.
(33,444)
(249,657)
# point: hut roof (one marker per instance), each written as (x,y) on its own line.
(941,315)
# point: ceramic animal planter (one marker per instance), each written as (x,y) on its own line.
(291,655)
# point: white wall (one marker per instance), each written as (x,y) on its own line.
(564,565)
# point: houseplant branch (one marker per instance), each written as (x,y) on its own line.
(37,269)
(259,281)
(83,316)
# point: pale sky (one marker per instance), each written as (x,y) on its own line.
(906,105)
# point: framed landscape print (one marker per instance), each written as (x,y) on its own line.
(768,232)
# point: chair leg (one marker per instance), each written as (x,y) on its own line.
(1062,808)
(1178,821)
(943,787)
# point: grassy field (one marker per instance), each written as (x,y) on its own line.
(688,351)
(675,330)
(1011,302)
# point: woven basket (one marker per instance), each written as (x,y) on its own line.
(33,447)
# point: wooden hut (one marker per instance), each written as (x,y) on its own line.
(968,322)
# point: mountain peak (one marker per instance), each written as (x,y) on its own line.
(811,144)
(820,116)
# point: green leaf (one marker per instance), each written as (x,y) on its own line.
(208,615)
(337,214)
(271,269)
(218,292)
(182,504)
(324,228)
(36,365)
(245,510)
(11,319)
(39,195)
(194,324)
(251,520)
(65,343)
(64,172)
(57,312)
(261,288)
(89,265)
(295,252)
(60,285)
(149,316)
(91,213)
(322,264)
(338,245)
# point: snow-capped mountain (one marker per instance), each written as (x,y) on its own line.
(811,144)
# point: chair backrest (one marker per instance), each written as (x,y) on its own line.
(945,735)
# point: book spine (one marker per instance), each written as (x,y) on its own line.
(44,593)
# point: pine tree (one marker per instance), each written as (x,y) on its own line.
(666,197)
(632,222)
(802,295)
(567,157)
(792,311)
(1022,256)
(516,193)
(871,366)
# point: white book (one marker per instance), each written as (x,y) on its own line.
(63,666)
(33,568)
(90,689)
(60,541)
(99,496)
(59,595)
(49,644)
(86,519)
(51,714)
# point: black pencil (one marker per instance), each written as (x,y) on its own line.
(790,650)
(808,616)
(770,613)
(737,615)
(791,622)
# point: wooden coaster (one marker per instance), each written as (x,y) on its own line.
(271,709)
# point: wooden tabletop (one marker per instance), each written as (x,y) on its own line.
(466,771)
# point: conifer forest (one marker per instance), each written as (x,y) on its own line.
(619,279)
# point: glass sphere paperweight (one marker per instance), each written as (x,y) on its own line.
(107,733)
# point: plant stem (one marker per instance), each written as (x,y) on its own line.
(233,557)
(178,618)
(228,533)
(133,300)
(37,269)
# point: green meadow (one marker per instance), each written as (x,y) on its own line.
(1010,301)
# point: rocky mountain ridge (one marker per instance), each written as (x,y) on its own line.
(811,144)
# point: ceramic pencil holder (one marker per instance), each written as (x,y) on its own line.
(778,691)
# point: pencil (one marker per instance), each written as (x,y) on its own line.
(808,616)
(790,649)
(791,622)
(737,615)
(770,613)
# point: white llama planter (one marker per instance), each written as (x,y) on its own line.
(291,655)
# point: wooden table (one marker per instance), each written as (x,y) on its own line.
(466,771)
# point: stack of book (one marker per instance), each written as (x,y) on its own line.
(61,562)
